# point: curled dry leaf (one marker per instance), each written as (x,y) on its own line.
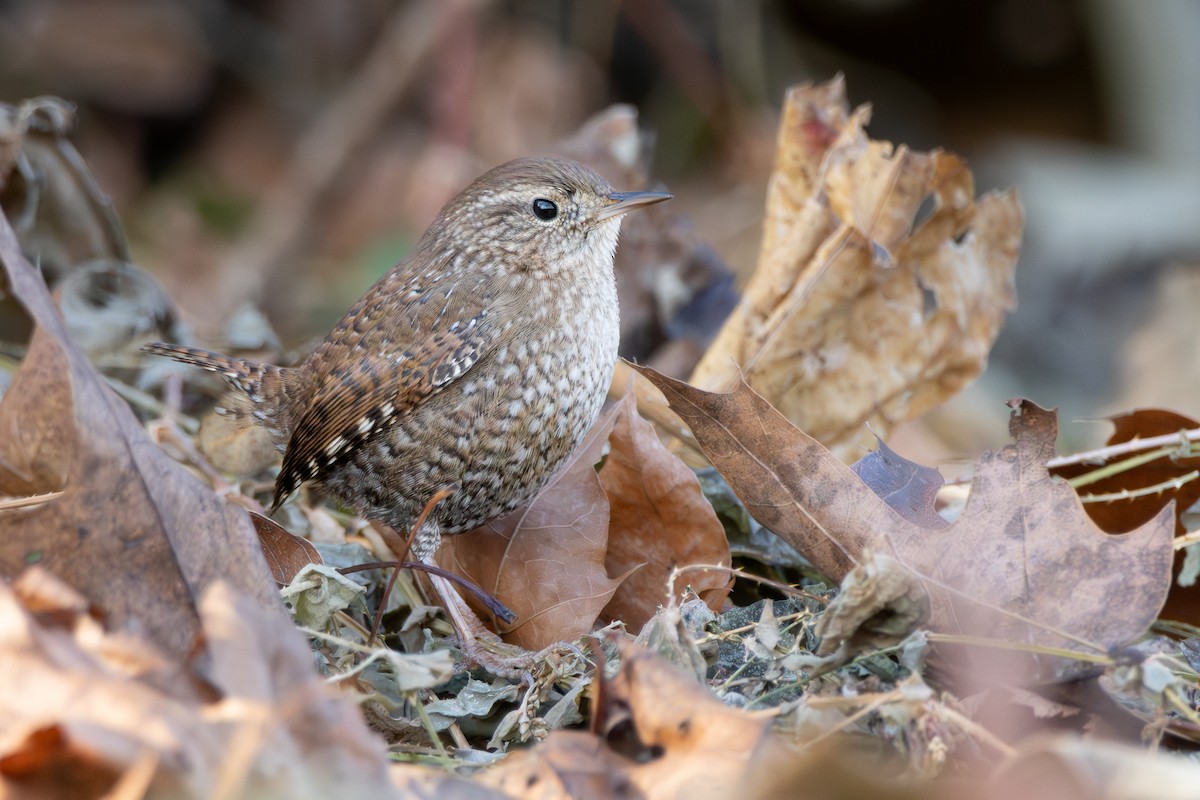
(1023,563)
(659,520)
(132,524)
(859,311)
(880,603)
(546,561)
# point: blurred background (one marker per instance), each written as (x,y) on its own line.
(278,156)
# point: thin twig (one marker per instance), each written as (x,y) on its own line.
(1126,494)
(412,535)
(978,731)
(493,605)
(743,575)
(32,500)
(1132,446)
(1021,647)
(1189,538)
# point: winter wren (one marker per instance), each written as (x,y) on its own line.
(476,365)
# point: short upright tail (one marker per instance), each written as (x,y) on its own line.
(266,387)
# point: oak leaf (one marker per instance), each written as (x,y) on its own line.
(1023,562)
(1134,509)
(1171,478)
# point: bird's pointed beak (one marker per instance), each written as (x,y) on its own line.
(620,202)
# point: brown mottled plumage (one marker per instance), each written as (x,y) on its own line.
(477,364)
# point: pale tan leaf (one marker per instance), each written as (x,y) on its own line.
(859,312)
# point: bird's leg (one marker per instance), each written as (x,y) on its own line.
(423,540)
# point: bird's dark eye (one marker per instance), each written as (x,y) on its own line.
(544,209)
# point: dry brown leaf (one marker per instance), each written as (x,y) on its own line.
(134,532)
(546,561)
(1023,562)
(92,706)
(659,520)
(878,604)
(854,315)
(665,736)
(285,553)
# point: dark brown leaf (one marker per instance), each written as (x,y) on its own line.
(135,533)
(1118,516)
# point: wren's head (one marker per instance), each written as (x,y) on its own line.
(538,216)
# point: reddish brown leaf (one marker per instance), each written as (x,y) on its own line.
(660,520)
(48,764)
(285,553)
(1023,562)
(1125,514)
(1118,516)
(134,532)
(546,561)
